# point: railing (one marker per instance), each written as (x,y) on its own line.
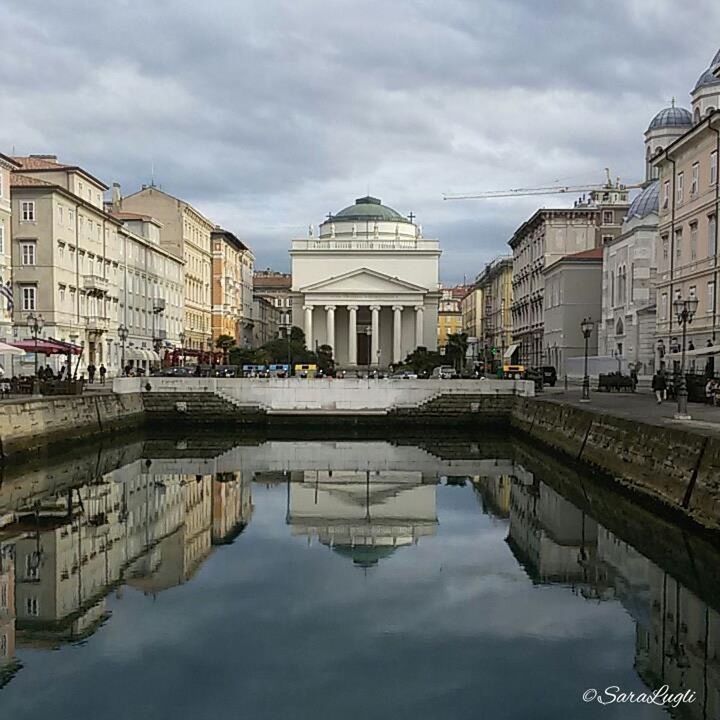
(337,244)
(95,283)
(98,324)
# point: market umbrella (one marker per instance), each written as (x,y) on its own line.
(6,349)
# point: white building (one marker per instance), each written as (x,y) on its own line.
(367,285)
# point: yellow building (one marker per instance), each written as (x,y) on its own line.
(471,307)
(495,285)
(450,319)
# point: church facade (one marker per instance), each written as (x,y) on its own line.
(366,284)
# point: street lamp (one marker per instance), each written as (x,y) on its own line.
(123,333)
(587,326)
(684,311)
(368,333)
(181,336)
(35,323)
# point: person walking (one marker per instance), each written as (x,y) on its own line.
(659,386)
(91,373)
(103,372)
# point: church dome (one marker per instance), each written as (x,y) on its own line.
(369,208)
(646,203)
(671,117)
(708,78)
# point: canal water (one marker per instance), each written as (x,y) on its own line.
(185,579)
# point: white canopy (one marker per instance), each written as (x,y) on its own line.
(136,353)
(509,352)
(6,349)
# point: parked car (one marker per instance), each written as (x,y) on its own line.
(549,375)
(444,372)
(404,375)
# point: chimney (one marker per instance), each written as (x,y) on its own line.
(50,158)
(116,197)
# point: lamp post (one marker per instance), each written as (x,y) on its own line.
(181,336)
(368,333)
(35,323)
(684,311)
(123,333)
(587,326)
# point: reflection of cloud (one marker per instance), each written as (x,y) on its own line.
(267,115)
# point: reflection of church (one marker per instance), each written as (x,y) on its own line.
(365,516)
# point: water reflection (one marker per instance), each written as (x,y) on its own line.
(148,516)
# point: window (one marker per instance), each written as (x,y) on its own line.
(695,179)
(606,239)
(713,168)
(712,232)
(692,291)
(31,567)
(666,194)
(60,214)
(680,187)
(28,298)
(28,253)
(665,245)
(32,606)
(678,243)
(607,217)
(710,297)
(2,238)
(693,240)
(27,211)
(663,306)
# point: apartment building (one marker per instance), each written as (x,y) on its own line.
(450,320)
(152,292)
(275,287)
(266,321)
(7,165)
(689,203)
(65,257)
(232,289)
(186,233)
(495,282)
(548,236)
(471,308)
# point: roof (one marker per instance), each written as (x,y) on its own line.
(7,159)
(149,189)
(43,163)
(646,203)
(585,255)
(671,117)
(710,76)
(263,281)
(17,180)
(541,214)
(123,215)
(368,208)
(229,237)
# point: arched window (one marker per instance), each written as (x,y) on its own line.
(619,327)
(710,110)
(696,115)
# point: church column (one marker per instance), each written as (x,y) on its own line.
(419,326)
(397,333)
(375,338)
(330,318)
(308,326)
(352,334)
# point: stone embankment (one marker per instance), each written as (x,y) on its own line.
(36,423)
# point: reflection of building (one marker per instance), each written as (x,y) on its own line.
(9,664)
(362,515)
(495,493)
(231,507)
(553,540)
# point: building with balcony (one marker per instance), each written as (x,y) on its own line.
(152,290)
(232,291)
(276,287)
(471,307)
(689,202)
(495,284)
(366,285)
(185,232)
(65,255)
(265,321)
(548,236)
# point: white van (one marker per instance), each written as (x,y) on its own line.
(444,372)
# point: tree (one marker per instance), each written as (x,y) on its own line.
(422,361)
(225,342)
(325,360)
(456,349)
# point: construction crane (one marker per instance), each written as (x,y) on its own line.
(545,190)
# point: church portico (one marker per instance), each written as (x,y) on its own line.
(367,286)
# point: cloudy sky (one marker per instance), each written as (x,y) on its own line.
(268,115)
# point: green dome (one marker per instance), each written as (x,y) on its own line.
(368,208)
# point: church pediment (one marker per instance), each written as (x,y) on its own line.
(364,281)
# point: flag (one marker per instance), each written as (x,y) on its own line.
(7,293)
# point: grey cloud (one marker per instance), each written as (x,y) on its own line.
(270,114)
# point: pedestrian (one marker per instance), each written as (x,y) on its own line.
(710,391)
(633,376)
(63,370)
(659,385)
(91,373)
(103,372)
(49,374)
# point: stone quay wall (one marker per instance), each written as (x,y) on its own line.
(36,423)
(676,468)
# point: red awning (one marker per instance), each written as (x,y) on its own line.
(47,347)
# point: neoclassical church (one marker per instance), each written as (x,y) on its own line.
(366,284)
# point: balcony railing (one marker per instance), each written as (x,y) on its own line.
(98,324)
(95,284)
